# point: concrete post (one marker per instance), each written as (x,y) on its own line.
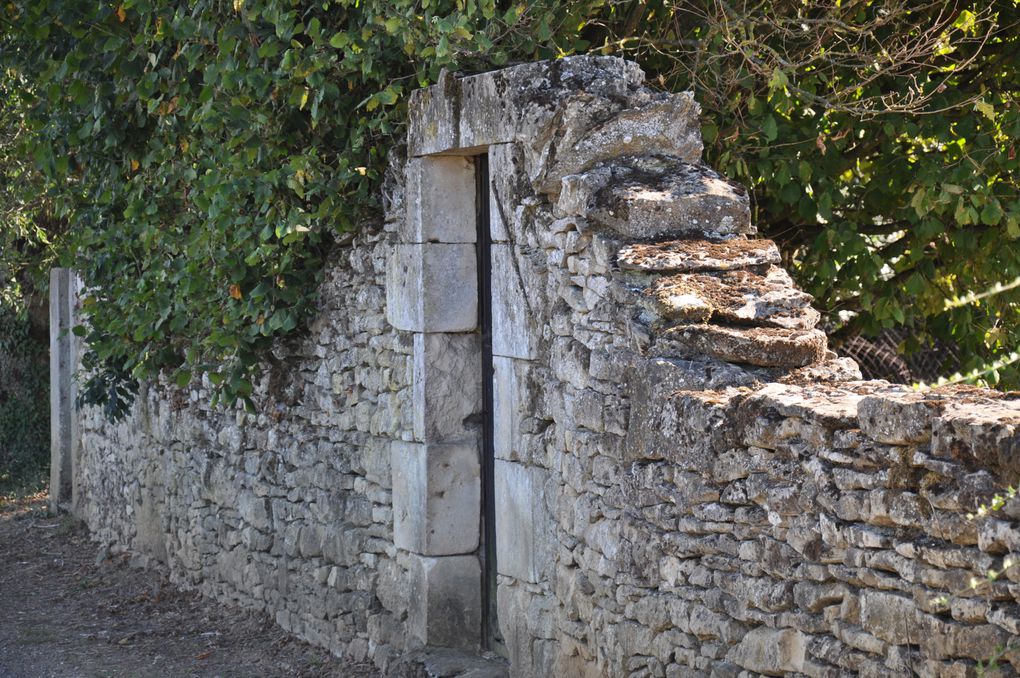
(61,403)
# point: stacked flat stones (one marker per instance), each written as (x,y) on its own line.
(705,288)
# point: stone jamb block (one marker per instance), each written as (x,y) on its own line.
(447,389)
(513,328)
(440,200)
(511,406)
(525,531)
(504,171)
(432,287)
(446,603)
(436,497)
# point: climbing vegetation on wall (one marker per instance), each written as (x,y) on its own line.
(206,155)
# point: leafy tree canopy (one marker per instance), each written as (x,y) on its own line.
(206,155)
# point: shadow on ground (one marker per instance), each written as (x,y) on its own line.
(62,615)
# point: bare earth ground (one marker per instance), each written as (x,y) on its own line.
(63,616)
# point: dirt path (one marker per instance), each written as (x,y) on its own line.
(62,615)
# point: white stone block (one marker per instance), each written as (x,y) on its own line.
(510,407)
(440,201)
(436,497)
(445,601)
(432,287)
(433,117)
(447,386)
(525,530)
(514,330)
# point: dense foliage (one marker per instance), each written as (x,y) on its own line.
(207,154)
(24,397)
(24,340)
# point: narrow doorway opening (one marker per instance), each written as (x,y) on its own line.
(491,639)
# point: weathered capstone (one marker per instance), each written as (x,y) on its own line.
(902,420)
(734,297)
(697,254)
(767,347)
(655,197)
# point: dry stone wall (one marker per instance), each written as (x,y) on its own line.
(288,510)
(687,481)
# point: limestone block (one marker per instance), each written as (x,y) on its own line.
(891,617)
(440,201)
(766,347)
(445,601)
(525,532)
(432,287)
(447,386)
(487,116)
(256,511)
(899,419)
(433,115)
(654,196)
(514,327)
(773,652)
(514,103)
(659,425)
(467,114)
(436,497)
(525,618)
(589,132)
(740,297)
